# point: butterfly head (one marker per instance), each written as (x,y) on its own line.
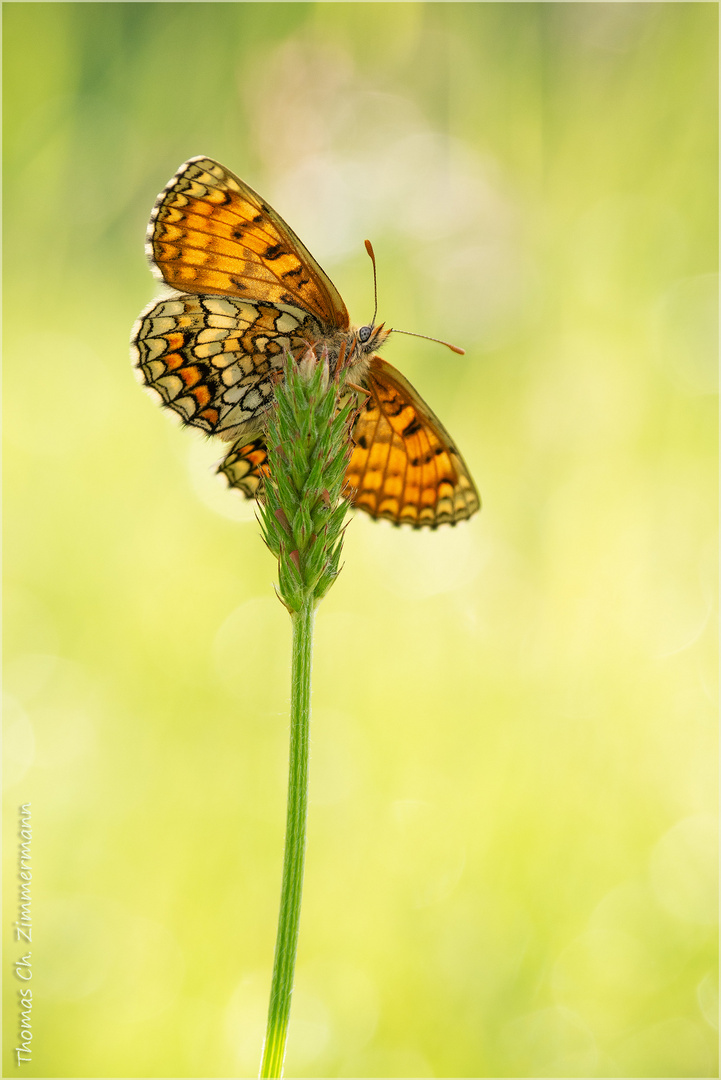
(370,338)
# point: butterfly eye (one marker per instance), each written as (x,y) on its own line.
(364,333)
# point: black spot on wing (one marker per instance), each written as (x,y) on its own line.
(411,428)
(295,273)
(424,459)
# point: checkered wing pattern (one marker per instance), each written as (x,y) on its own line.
(214,359)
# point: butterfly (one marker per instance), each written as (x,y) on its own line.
(246,292)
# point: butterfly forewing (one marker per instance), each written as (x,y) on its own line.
(404,466)
(211,233)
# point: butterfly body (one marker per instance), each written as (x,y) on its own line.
(247,292)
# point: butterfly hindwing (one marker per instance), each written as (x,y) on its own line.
(246,466)
(214,359)
(211,233)
(404,466)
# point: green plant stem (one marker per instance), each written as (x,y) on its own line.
(286,943)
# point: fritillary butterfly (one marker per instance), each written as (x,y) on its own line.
(247,291)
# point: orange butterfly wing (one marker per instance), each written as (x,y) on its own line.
(211,233)
(404,466)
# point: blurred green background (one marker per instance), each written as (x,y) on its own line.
(511,856)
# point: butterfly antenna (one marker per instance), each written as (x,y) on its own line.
(453,348)
(369,249)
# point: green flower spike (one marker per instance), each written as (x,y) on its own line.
(309,445)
